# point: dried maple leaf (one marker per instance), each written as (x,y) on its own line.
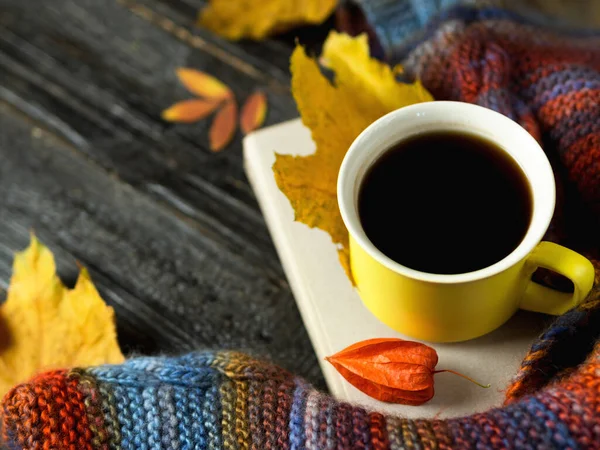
(365,89)
(189,111)
(257,19)
(44,325)
(254,112)
(391,370)
(203,85)
(223,127)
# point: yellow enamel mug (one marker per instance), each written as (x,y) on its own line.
(448,308)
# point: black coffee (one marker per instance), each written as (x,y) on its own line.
(445,203)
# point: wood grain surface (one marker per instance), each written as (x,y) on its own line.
(171,232)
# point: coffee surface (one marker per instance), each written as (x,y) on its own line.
(445,203)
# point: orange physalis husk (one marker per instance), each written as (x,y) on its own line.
(203,85)
(223,127)
(189,111)
(391,370)
(254,112)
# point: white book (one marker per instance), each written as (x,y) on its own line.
(335,317)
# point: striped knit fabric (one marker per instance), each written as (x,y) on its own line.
(392,22)
(547,81)
(525,64)
(228,401)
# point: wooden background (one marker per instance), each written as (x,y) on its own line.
(171,232)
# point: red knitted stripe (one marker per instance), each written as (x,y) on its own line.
(92,398)
(379,438)
(442,434)
(583,162)
(558,110)
(47,413)
(577,416)
(526,78)
(575,400)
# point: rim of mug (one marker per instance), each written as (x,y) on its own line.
(543,202)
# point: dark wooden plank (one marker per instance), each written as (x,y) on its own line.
(271,56)
(171,232)
(107,102)
(173,287)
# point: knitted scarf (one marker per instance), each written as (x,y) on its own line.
(547,80)
(229,401)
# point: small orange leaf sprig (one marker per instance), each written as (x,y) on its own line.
(214,95)
(254,112)
(391,370)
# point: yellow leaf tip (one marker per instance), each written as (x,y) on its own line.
(35,248)
(83,272)
(168,115)
(182,71)
(33,240)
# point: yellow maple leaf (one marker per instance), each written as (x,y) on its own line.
(365,89)
(256,19)
(44,325)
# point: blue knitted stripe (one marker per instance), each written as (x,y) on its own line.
(399,35)
(165,402)
(553,430)
(168,417)
(169,421)
(559,75)
(185,417)
(192,431)
(392,20)
(212,417)
(151,414)
(152,372)
(426,9)
(131,417)
(297,436)
(520,424)
(573,129)
(193,407)
(567,86)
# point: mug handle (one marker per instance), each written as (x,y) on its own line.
(566,262)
